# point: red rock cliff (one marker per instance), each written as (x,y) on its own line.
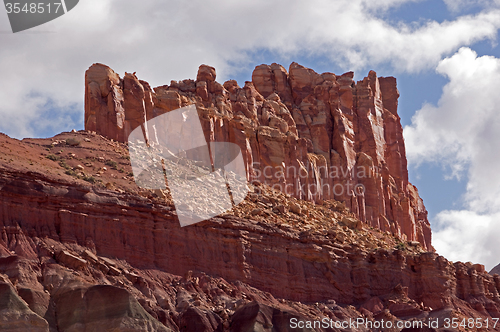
(81,244)
(313,136)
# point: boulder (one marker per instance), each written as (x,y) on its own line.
(15,315)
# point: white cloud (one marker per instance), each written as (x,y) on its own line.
(468,236)
(463,132)
(164,40)
(459,5)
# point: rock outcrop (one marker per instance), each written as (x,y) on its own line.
(15,314)
(496,270)
(313,136)
(82,246)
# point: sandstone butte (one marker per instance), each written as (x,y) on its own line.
(302,123)
(82,248)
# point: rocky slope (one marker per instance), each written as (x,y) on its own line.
(313,136)
(496,270)
(82,248)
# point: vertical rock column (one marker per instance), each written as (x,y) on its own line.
(114,107)
(104,111)
(313,136)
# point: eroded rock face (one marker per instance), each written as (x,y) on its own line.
(313,136)
(101,308)
(15,315)
(104,99)
(90,253)
(255,316)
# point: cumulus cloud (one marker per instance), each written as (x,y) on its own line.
(463,132)
(42,69)
(468,236)
(459,5)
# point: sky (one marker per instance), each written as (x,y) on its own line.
(444,54)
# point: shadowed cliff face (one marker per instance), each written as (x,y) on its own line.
(313,136)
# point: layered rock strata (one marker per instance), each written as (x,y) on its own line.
(82,247)
(313,136)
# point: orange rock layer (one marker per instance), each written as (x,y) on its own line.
(313,136)
(81,244)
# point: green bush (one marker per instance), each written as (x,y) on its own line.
(63,164)
(113,164)
(401,246)
(90,179)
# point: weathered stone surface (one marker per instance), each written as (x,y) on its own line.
(104,110)
(195,319)
(258,317)
(313,136)
(206,74)
(317,263)
(272,79)
(102,308)
(71,260)
(15,315)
